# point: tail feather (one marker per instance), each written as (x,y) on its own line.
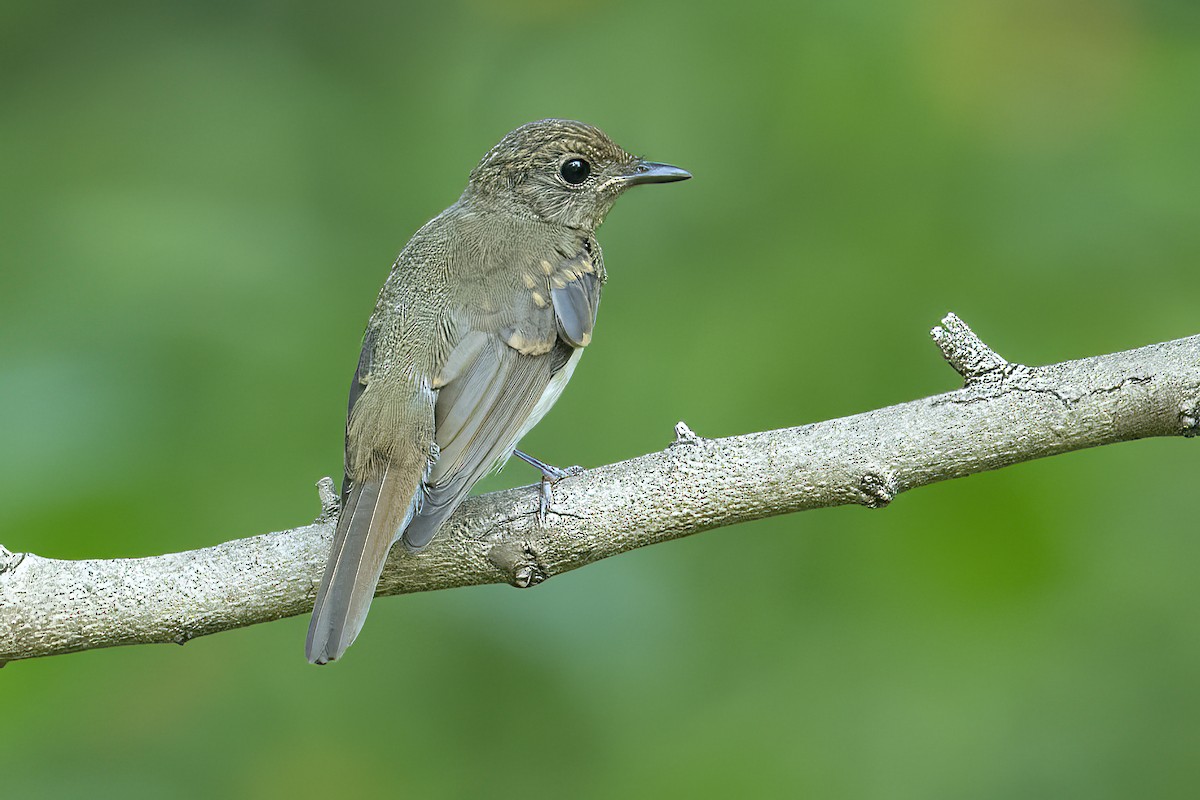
(437,504)
(375,512)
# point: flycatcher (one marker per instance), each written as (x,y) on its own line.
(476,332)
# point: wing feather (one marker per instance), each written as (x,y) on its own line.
(575,295)
(488,398)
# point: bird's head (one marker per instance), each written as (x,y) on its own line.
(563,172)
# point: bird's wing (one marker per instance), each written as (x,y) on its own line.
(494,377)
(575,295)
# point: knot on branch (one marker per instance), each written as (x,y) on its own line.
(684,435)
(966,352)
(520,563)
(331,502)
(1189,417)
(9,560)
(878,488)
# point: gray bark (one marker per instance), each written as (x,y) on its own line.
(1006,413)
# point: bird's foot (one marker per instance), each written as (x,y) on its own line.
(550,476)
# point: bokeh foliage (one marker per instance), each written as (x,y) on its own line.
(200,200)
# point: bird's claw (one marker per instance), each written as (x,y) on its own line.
(550,476)
(546,493)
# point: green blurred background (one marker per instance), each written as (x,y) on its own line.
(200,201)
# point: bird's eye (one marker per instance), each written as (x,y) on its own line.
(575,171)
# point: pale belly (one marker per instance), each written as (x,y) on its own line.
(547,400)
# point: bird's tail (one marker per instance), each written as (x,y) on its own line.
(374,513)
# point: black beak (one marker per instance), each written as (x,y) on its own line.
(650,172)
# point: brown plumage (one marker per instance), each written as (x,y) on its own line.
(475,333)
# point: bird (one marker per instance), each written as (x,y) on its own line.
(477,329)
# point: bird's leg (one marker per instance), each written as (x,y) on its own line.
(550,476)
(549,472)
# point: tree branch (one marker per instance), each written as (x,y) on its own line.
(1006,413)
